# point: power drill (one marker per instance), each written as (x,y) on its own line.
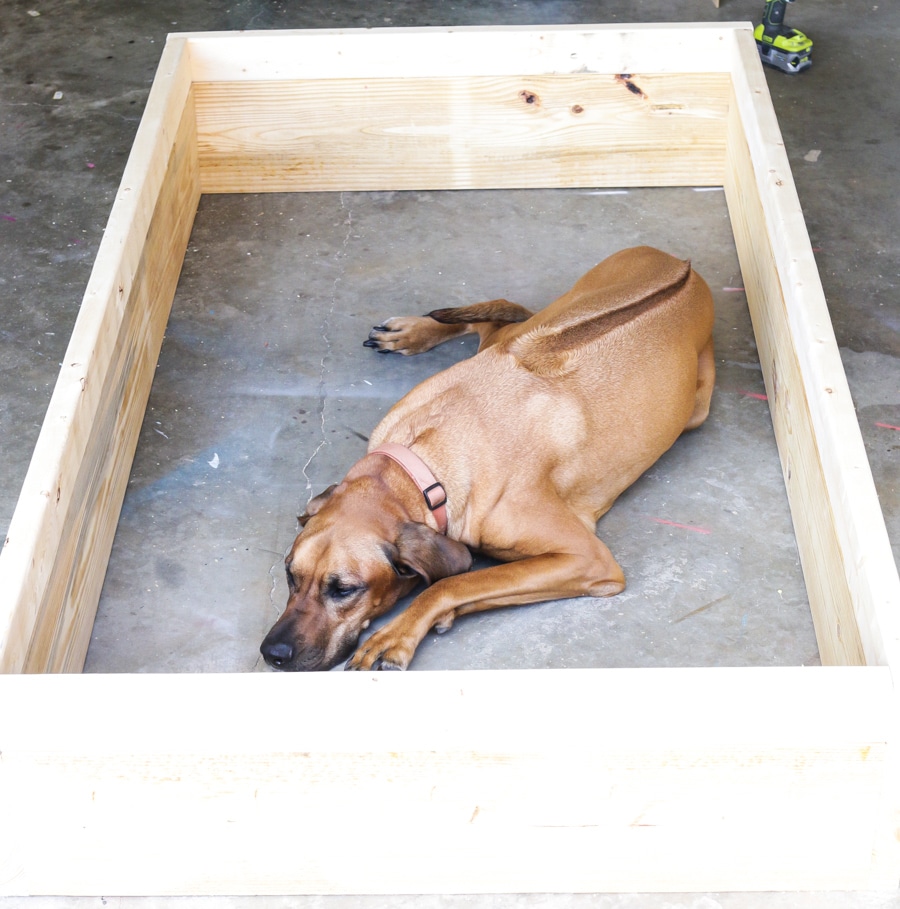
(784,48)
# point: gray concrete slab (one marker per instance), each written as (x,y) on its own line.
(262,372)
(493,901)
(264,389)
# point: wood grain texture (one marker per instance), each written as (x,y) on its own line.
(846,556)
(532,781)
(426,53)
(847,561)
(812,513)
(54,561)
(670,780)
(455,133)
(62,635)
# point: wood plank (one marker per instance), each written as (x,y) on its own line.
(830,595)
(54,560)
(599,780)
(521,781)
(847,561)
(62,634)
(473,132)
(425,53)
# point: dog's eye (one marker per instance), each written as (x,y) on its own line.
(292,586)
(340,590)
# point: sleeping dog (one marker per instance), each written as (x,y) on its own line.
(514,453)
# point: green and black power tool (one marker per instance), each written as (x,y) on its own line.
(784,48)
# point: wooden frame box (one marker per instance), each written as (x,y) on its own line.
(670,779)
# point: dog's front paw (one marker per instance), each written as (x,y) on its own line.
(385,650)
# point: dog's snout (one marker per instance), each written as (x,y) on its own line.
(278,654)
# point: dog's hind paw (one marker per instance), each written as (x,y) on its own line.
(394,336)
(445,622)
(410,335)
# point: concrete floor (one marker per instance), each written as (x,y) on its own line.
(263,369)
(262,373)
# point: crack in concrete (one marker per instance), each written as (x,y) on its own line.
(322,398)
(321,406)
(273,575)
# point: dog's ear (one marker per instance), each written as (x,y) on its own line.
(315,504)
(419,550)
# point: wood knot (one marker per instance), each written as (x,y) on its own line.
(529,97)
(625,79)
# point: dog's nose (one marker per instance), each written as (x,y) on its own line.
(278,654)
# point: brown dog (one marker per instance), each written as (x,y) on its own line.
(516,453)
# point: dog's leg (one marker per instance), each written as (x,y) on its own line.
(706,377)
(550,576)
(410,335)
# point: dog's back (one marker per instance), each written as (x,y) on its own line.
(588,393)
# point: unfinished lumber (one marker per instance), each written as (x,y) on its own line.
(538,781)
(462,133)
(58,544)
(838,524)
(597,780)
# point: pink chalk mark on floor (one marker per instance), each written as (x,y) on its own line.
(680,526)
(888,426)
(755,395)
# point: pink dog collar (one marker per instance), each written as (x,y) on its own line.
(421,475)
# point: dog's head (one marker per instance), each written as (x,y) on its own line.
(353,559)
